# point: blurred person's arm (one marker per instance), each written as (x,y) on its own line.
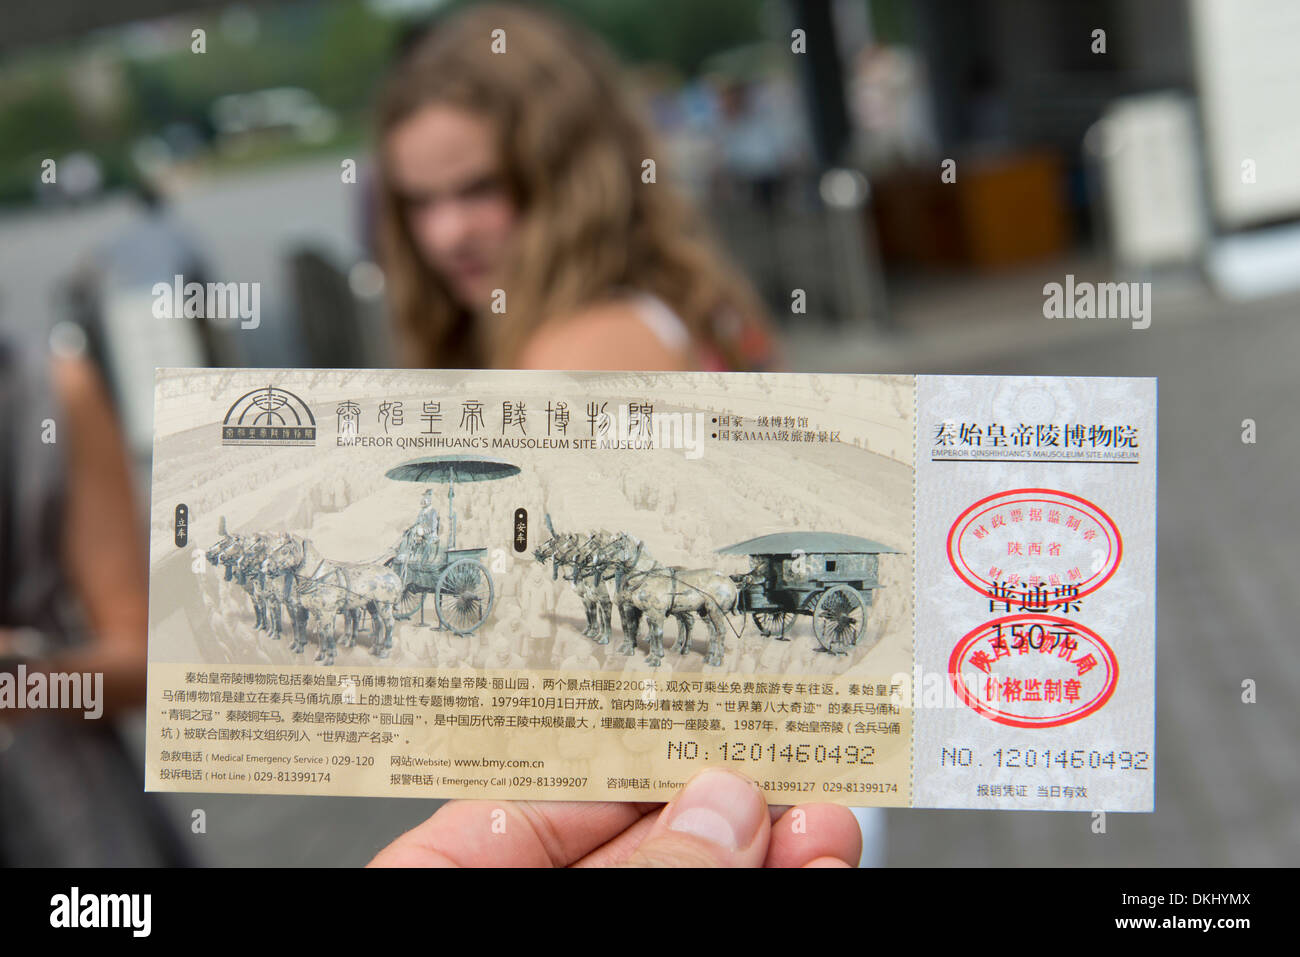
(608,336)
(104,552)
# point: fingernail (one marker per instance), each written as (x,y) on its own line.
(720,807)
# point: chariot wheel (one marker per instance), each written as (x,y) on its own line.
(410,602)
(464,596)
(773,623)
(839,618)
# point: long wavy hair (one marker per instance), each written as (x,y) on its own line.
(572,147)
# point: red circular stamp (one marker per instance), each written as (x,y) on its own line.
(1033,671)
(1031,543)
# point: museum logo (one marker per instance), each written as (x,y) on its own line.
(268,416)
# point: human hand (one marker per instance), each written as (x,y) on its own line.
(719,819)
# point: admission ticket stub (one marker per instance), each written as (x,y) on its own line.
(913,591)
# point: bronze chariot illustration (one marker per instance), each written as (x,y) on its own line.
(829,576)
(427,565)
(283,572)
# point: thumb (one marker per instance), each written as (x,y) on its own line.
(719,819)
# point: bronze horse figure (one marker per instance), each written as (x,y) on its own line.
(325,588)
(250,569)
(562,550)
(589,581)
(226,553)
(656,590)
(590,573)
(242,569)
(589,577)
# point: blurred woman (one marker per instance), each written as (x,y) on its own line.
(523,221)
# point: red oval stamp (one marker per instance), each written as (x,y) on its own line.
(1031,543)
(1033,671)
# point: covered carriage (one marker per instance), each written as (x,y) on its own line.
(829,576)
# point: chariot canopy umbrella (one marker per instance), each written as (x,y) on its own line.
(452,469)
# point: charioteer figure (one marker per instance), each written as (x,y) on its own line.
(421,543)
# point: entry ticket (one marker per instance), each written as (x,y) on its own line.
(893,590)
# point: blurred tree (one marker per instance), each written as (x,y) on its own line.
(681,32)
(338,50)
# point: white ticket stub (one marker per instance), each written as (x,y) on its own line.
(908,591)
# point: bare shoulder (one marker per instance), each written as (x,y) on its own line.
(96,441)
(71,376)
(80,387)
(608,335)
